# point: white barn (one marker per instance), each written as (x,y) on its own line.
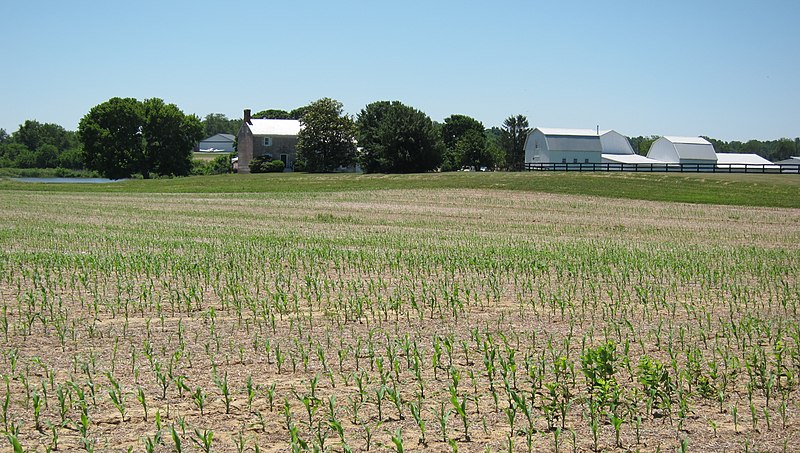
(615,143)
(683,150)
(566,146)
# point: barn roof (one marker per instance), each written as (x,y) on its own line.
(630,159)
(568,132)
(274,127)
(741,158)
(687,140)
(219,138)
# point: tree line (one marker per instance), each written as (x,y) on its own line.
(391,137)
(123,137)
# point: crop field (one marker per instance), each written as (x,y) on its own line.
(435,319)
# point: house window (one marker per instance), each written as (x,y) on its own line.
(586,161)
(267,141)
(564,160)
(575,161)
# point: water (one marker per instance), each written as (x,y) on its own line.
(69,180)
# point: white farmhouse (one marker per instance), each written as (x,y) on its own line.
(683,150)
(566,146)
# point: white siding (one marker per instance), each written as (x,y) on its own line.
(615,143)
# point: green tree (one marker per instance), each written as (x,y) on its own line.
(170,137)
(327,139)
(111,134)
(641,144)
(473,149)
(34,135)
(218,123)
(454,129)
(512,140)
(273,114)
(396,138)
(455,126)
(4,137)
(123,136)
(298,113)
(784,149)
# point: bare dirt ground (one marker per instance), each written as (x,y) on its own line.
(299,321)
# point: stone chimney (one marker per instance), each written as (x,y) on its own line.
(247,116)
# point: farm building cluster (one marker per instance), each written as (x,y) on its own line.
(277,138)
(588,146)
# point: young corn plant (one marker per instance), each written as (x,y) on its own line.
(116,395)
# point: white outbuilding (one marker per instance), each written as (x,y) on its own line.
(615,143)
(794,160)
(743,160)
(683,150)
(565,146)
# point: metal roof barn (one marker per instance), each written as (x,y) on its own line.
(683,150)
(615,143)
(553,145)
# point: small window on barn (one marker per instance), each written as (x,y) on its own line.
(267,141)
(564,160)
(586,161)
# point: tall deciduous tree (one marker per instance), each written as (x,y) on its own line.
(273,114)
(396,138)
(218,123)
(123,136)
(112,137)
(170,137)
(34,135)
(512,140)
(454,130)
(327,139)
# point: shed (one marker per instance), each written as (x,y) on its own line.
(630,159)
(742,160)
(615,143)
(573,146)
(683,150)
(218,143)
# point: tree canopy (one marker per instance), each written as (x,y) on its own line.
(273,114)
(123,136)
(396,138)
(512,139)
(40,145)
(466,144)
(327,139)
(218,123)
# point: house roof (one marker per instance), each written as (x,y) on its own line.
(568,132)
(274,127)
(220,138)
(741,158)
(630,159)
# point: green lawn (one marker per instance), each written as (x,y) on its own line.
(729,189)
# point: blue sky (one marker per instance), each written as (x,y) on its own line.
(726,69)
